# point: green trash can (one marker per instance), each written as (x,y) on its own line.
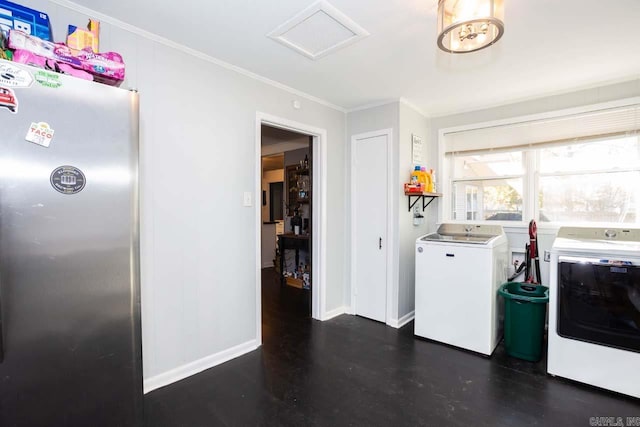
(525,309)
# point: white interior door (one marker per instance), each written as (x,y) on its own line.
(370,206)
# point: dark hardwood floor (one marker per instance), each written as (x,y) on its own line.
(351,371)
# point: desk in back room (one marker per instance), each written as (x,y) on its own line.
(291,241)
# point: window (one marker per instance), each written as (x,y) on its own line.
(502,173)
(590,182)
(488,186)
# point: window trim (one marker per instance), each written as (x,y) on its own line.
(530,159)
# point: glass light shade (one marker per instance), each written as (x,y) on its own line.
(469,25)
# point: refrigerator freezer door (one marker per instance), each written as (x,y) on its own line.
(69,283)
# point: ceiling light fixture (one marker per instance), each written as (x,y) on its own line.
(469,25)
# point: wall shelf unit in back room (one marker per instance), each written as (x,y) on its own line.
(298,186)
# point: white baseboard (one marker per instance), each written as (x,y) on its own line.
(334,313)
(267,264)
(197,366)
(399,323)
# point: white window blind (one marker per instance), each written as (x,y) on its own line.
(602,123)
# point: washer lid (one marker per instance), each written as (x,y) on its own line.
(465,233)
(479,239)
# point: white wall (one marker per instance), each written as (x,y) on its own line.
(197,239)
(372,119)
(518,236)
(411,123)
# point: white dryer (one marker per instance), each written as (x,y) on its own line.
(458,272)
(594,307)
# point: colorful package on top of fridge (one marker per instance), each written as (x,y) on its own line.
(29,58)
(17,17)
(107,68)
(80,39)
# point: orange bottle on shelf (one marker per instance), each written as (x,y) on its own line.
(425,179)
(432,181)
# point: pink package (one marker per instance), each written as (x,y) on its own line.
(107,68)
(28,58)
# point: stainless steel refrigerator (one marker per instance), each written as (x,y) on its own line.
(70,341)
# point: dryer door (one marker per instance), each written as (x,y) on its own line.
(599,301)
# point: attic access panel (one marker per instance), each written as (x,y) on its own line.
(318,30)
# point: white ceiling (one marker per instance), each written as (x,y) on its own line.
(549,46)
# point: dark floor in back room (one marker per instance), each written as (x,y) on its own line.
(350,371)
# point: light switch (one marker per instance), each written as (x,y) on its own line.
(248,198)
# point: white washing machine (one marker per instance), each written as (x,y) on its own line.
(594,307)
(458,272)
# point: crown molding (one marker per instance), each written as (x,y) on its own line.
(372,105)
(414,107)
(193,52)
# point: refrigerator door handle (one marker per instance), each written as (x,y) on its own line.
(1,329)
(1,325)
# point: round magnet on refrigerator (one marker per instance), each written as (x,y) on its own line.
(68,180)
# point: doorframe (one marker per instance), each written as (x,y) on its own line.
(319,213)
(391,241)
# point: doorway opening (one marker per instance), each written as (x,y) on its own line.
(290,222)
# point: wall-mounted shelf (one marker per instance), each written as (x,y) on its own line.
(426,198)
(298,187)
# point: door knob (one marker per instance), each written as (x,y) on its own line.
(380,243)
